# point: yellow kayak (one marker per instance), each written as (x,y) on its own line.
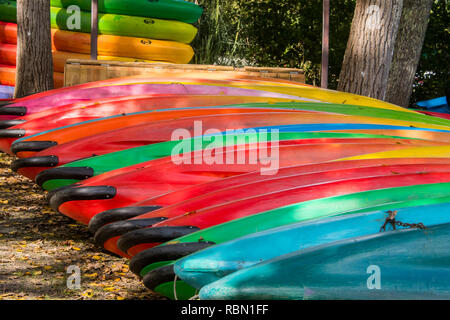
(417,152)
(306,92)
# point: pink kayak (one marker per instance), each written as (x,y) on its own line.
(79,95)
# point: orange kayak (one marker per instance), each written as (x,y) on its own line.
(109,45)
(8,76)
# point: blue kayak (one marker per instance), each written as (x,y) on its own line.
(402,264)
(213,263)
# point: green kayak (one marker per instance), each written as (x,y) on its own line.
(179,10)
(112,24)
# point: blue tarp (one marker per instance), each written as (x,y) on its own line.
(435,105)
(6,92)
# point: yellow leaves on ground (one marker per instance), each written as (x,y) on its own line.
(47,211)
(89,293)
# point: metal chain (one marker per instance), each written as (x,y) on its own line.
(391,220)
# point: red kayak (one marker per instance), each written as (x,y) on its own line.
(436,114)
(211,216)
(195,205)
(11,130)
(125,186)
(139,209)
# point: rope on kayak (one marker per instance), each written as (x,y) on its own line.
(393,222)
(194,297)
(175,287)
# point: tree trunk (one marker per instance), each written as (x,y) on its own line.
(34,72)
(370,47)
(408,47)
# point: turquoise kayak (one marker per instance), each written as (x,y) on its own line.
(216,262)
(402,264)
(185,11)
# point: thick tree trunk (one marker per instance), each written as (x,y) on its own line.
(34,51)
(367,60)
(408,47)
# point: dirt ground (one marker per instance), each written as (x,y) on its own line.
(38,247)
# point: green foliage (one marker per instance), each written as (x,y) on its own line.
(287,33)
(283,33)
(432,77)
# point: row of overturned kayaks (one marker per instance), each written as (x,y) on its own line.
(226,186)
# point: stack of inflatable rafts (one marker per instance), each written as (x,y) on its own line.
(227,186)
(129,30)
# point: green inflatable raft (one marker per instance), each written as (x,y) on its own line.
(112,24)
(163,9)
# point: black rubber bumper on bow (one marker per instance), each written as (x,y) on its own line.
(119,228)
(12,133)
(44,162)
(158,276)
(64,173)
(35,146)
(103,218)
(12,111)
(51,193)
(153,235)
(5,124)
(164,253)
(5,103)
(81,193)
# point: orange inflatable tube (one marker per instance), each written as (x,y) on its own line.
(8,53)
(8,76)
(8,32)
